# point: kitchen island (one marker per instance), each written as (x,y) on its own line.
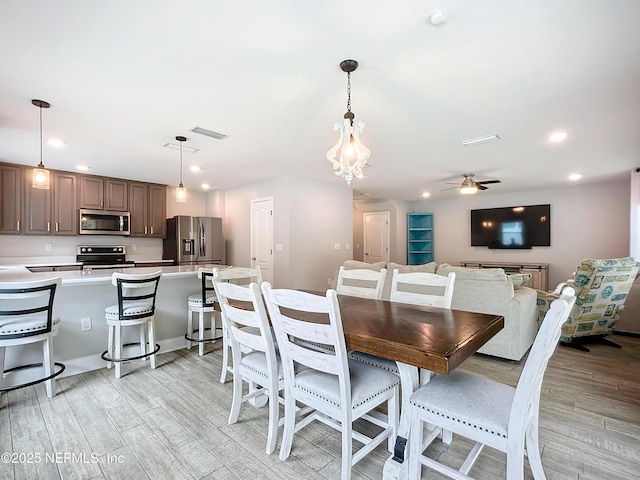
(86,293)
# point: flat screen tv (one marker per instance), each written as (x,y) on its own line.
(511,227)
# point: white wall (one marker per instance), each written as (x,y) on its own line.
(309,217)
(587,221)
(398,210)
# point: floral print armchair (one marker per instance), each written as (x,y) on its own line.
(602,286)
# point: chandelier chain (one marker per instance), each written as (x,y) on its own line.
(348,92)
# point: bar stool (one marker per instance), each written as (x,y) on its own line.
(26,316)
(136,306)
(201,303)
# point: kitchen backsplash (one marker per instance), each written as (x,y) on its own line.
(26,249)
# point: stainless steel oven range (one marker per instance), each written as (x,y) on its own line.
(103,256)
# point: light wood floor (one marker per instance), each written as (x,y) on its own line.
(172,423)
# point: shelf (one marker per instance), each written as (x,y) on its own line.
(419,238)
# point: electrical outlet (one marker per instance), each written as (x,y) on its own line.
(346,246)
(47,247)
(336,246)
(85,324)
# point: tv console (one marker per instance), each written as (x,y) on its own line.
(539,271)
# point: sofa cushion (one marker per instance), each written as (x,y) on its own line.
(355,264)
(519,279)
(464,273)
(391,266)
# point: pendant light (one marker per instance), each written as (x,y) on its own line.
(40,174)
(181,192)
(349,156)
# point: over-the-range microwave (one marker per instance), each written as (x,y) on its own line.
(98,222)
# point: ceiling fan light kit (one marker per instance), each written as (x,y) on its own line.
(469,186)
(349,155)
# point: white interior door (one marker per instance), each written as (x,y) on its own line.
(262,236)
(376,237)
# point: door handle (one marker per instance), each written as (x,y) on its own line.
(253,258)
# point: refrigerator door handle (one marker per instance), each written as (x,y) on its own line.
(203,240)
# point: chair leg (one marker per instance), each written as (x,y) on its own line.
(110,345)
(201,333)
(47,362)
(415,445)
(152,342)
(236,402)
(393,418)
(143,341)
(515,461)
(226,345)
(289,427)
(347,449)
(2,350)
(606,341)
(117,350)
(189,328)
(274,409)
(533,450)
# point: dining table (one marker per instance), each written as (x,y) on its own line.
(418,338)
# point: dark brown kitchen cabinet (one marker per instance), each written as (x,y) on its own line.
(10,199)
(147,204)
(65,204)
(100,193)
(53,211)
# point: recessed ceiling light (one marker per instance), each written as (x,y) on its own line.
(575,177)
(557,137)
(175,146)
(194,168)
(205,186)
(477,140)
(54,142)
(426,194)
(83,168)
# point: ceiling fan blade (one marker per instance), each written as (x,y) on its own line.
(481,187)
(486,182)
(450,188)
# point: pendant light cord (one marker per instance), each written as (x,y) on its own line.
(41,164)
(180,163)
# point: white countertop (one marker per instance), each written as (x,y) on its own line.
(87,276)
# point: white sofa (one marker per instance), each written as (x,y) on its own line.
(485,291)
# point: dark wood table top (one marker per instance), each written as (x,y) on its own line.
(432,338)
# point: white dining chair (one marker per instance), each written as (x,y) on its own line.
(361,282)
(339,390)
(253,350)
(136,307)
(416,288)
(422,288)
(489,412)
(238,276)
(26,317)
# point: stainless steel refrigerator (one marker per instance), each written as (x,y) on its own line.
(194,240)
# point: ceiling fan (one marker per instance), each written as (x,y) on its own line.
(469,185)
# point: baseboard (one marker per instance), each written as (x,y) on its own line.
(88,363)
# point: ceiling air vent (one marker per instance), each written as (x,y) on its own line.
(208,133)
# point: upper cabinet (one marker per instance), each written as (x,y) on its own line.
(10,199)
(53,211)
(99,193)
(148,205)
(31,211)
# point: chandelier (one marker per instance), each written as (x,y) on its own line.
(349,156)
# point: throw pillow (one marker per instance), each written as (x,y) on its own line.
(519,279)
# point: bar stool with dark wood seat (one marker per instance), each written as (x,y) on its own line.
(26,317)
(136,306)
